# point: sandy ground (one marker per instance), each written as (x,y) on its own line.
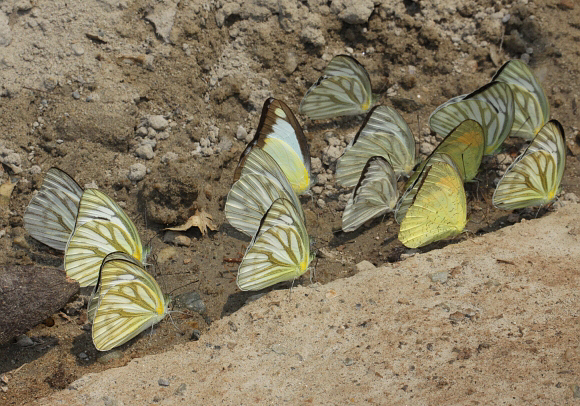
(502,329)
(153,101)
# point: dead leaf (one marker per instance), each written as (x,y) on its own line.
(5,192)
(200,219)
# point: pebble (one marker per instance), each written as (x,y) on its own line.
(158,123)
(83,356)
(137,172)
(241,133)
(167,254)
(76,95)
(348,362)
(513,218)
(365,266)
(191,301)
(195,335)
(168,157)
(316,165)
(290,63)
(145,152)
(35,170)
(163,382)
(457,316)
(321,203)
(77,49)
(182,241)
(141,131)
(439,277)
(24,341)
(426,148)
(109,356)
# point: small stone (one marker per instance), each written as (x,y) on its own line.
(158,123)
(163,382)
(77,49)
(316,165)
(365,266)
(109,356)
(169,157)
(141,132)
(21,242)
(353,11)
(24,341)
(321,203)
(456,317)
(182,241)
(426,148)
(439,277)
(167,254)
(35,170)
(76,95)
(137,172)
(145,152)
(513,218)
(317,189)
(195,335)
(566,5)
(180,391)
(348,362)
(83,356)
(290,63)
(241,133)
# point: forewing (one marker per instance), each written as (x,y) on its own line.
(51,214)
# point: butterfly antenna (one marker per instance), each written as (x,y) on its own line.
(502,35)
(182,286)
(173,322)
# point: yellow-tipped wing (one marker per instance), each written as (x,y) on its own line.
(383,133)
(439,209)
(280,135)
(343,89)
(280,250)
(375,194)
(50,217)
(129,301)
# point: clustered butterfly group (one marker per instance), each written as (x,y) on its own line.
(103,248)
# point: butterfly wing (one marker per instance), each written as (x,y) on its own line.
(280,135)
(280,250)
(439,209)
(51,214)
(375,194)
(129,302)
(532,107)
(91,243)
(343,89)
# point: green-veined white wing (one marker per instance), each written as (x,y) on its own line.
(383,133)
(532,107)
(280,135)
(129,301)
(415,181)
(51,214)
(280,250)
(343,89)
(534,178)
(375,194)
(492,106)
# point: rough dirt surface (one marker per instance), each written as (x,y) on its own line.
(153,101)
(501,329)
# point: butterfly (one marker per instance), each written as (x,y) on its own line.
(375,194)
(102,227)
(534,177)
(261,182)
(492,106)
(464,145)
(280,250)
(439,208)
(344,89)
(126,301)
(532,108)
(280,135)
(51,214)
(384,132)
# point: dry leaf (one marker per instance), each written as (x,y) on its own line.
(5,192)
(200,219)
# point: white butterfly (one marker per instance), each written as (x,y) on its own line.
(50,216)
(280,250)
(126,301)
(343,89)
(375,194)
(102,227)
(383,133)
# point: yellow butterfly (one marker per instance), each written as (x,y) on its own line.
(125,301)
(439,208)
(343,89)
(102,227)
(280,250)
(280,135)
(383,133)
(50,216)
(534,178)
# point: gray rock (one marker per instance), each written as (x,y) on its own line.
(241,133)
(290,63)
(316,165)
(158,123)
(145,152)
(225,145)
(439,277)
(353,11)
(364,266)
(213,134)
(24,341)
(191,301)
(141,132)
(195,335)
(11,159)
(168,157)
(331,154)
(163,382)
(137,172)
(109,356)
(313,36)
(35,170)
(162,18)
(426,148)
(76,95)
(77,49)
(83,356)
(5,33)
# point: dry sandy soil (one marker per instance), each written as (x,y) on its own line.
(153,101)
